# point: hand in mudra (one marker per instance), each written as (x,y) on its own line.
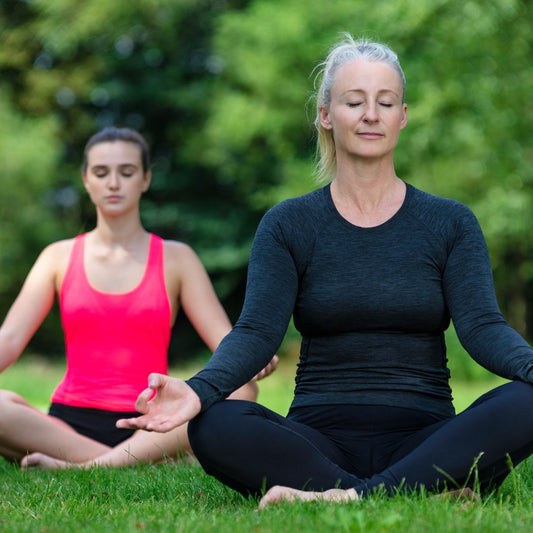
(173,404)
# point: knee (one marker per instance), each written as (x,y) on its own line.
(516,399)
(521,392)
(524,396)
(9,400)
(210,425)
(212,428)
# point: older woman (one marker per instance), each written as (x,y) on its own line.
(372,269)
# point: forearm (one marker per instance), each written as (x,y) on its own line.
(10,350)
(232,366)
(481,328)
(271,290)
(500,349)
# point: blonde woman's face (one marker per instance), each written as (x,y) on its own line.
(366,112)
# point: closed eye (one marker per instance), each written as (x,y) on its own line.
(127,170)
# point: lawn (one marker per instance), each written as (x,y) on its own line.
(182,498)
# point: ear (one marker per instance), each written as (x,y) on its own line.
(84,179)
(403,121)
(147,179)
(324,118)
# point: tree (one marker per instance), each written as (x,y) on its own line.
(468,74)
(222,92)
(76,67)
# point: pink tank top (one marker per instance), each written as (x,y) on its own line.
(113,341)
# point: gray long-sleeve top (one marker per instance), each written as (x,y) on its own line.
(371,304)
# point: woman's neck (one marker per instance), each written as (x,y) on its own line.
(368,197)
(119,231)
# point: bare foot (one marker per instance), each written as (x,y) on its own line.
(279,494)
(44,462)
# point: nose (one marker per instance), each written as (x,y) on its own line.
(113,181)
(371,114)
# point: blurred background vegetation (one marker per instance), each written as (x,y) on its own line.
(221,89)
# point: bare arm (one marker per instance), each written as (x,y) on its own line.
(203,308)
(174,402)
(31,305)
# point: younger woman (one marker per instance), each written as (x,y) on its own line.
(119,289)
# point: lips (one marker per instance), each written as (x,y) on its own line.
(370,134)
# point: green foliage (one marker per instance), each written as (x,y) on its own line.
(24,211)
(468,75)
(145,65)
(223,92)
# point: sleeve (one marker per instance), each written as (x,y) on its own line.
(271,289)
(470,296)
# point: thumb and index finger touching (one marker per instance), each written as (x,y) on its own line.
(164,405)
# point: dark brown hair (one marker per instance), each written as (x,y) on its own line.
(112,134)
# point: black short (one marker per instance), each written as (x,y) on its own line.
(97,424)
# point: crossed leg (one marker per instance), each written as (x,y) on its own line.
(42,441)
(39,440)
(274,454)
(25,429)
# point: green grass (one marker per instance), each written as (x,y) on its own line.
(183,498)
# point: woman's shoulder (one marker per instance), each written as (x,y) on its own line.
(302,208)
(52,262)
(58,250)
(425,198)
(176,249)
(427,205)
(445,217)
(181,265)
(304,201)
(178,255)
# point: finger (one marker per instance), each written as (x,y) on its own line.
(272,365)
(141,404)
(262,504)
(156,380)
(145,424)
(129,423)
(161,427)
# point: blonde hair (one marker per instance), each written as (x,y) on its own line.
(343,52)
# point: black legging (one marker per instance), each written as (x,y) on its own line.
(250,448)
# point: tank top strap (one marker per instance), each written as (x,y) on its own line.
(155,252)
(75,268)
(76,255)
